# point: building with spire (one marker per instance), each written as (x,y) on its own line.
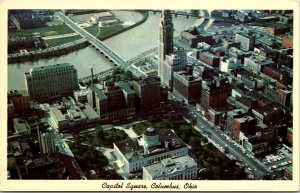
(165,41)
(170,59)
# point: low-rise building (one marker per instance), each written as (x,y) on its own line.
(21,126)
(277,29)
(279,95)
(180,168)
(247,41)
(288,173)
(228,64)
(151,147)
(20,101)
(256,63)
(210,59)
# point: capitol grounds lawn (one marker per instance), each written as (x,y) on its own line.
(60,41)
(44,31)
(214,164)
(90,158)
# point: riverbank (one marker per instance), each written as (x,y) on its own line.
(48,52)
(63,49)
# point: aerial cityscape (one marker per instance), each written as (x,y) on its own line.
(150,94)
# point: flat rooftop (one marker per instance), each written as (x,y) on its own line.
(132,150)
(170,165)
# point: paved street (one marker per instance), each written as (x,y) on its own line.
(203,126)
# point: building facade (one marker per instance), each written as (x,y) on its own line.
(150,148)
(214,93)
(180,168)
(112,101)
(187,87)
(247,41)
(148,94)
(50,82)
(165,41)
(20,101)
(173,62)
(47,144)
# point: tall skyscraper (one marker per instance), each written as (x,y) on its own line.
(49,82)
(165,42)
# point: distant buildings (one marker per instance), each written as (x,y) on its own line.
(247,41)
(282,96)
(169,60)
(287,41)
(19,42)
(26,19)
(238,124)
(50,82)
(192,38)
(256,63)
(278,29)
(210,59)
(228,64)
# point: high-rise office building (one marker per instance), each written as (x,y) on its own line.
(46,140)
(173,62)
(50,82)
(165,42)
(112,101)
(214,93)
(187,87)
(148,92)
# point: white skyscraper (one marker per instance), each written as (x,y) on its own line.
(48,82)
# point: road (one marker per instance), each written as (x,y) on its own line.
(203,126)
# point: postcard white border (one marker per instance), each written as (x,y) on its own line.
(96,185)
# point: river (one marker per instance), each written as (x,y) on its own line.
(128,44)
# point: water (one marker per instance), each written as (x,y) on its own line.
(128,44)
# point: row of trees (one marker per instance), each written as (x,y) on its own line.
(215,165)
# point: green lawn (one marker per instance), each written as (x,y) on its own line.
(60,41)
(217,166)
(105,138)
(92,30)
(105,31)
(45,31)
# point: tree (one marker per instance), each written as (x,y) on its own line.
(128,75)
(100,132)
